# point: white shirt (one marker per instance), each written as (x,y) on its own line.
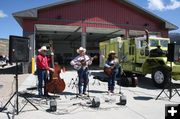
(77,61)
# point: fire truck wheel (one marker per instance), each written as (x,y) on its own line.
(160,77)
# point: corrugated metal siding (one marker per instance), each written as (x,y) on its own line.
(97,13)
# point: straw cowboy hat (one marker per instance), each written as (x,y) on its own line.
(81,49)
(112,52)
(43,48)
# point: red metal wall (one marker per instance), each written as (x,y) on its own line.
(97,13)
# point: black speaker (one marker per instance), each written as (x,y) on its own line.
(53,105)
(122,100)
(18,49)
(173,54)
(95,102)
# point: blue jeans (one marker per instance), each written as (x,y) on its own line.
(42,78)
(83,79)
(111,81)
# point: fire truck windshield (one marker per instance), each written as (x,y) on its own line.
(164,43)
(153,43)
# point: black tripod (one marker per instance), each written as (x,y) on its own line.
(95,81)
(73,83)
(16,94)
(170,87)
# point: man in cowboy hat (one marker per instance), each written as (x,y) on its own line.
(158,52)
(42,68)
(112,63)
(81,63)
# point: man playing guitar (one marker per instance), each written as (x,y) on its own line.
(81,63)
(111,68)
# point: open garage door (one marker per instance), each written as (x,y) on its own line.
(66,39)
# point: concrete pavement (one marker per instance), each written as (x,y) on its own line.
(141,103)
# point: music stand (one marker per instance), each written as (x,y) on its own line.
(77,92)
(74,85)
(16,95)
(95,81)
(170,86)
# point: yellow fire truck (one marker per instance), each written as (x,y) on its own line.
(136,57)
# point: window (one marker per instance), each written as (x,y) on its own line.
(140,43)
(164,43)
(153,43)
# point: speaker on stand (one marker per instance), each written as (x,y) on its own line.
(18,49)
(18,53)
(173,55)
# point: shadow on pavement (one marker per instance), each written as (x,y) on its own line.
(143,82)
(146,83)
(67,93)
(97,91)
(142,98)
(100,76)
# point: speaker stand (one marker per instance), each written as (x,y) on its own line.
(16,95)
(170,87)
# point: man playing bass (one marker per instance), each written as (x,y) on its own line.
(42,68)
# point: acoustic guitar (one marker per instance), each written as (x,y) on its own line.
(82,63)
(108,71)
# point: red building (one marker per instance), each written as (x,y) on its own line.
(73,23)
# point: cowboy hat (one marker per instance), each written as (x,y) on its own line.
(81,49)
(112,52)
(43,48)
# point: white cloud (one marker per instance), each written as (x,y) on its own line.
(162,5)
(2,14)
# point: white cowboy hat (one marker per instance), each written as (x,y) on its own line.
(43,48)
(81,49)
(112,52)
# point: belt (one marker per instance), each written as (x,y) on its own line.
(42,69)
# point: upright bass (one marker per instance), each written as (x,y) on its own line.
(56,84)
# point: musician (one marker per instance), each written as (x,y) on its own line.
(81,62)
(42,68)
(112,63)
(158,52)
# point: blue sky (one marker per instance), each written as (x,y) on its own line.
(167,9)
